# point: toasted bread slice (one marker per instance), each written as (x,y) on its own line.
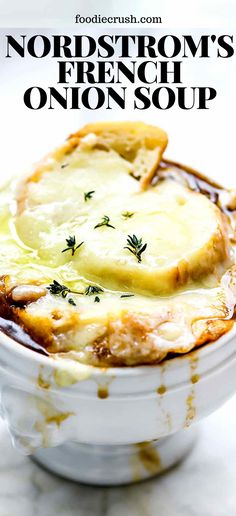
(140,144)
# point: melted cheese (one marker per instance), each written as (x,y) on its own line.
(176,284)
(183,230)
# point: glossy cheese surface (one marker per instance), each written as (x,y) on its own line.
(183,230)
(177,294)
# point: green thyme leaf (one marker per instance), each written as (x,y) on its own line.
(71,245)
(97,299)
(57,289)
(127,214)
(92,289)
(127,295)
(136,246)
(104,222)
(71,301)
(88,195)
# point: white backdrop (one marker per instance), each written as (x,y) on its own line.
(201,139)
(181,13)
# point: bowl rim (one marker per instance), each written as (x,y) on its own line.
(55,362)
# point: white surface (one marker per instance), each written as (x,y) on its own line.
(202,485)
(203,139)
(174,14)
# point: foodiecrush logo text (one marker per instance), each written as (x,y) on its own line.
(120,71)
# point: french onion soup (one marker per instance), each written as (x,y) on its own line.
(114,256)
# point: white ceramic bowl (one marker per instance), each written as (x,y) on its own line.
(116,425)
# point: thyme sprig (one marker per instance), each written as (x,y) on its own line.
(56,289)
(104,222)
(71,245)
(88,195)
(136,246)
(127,214)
